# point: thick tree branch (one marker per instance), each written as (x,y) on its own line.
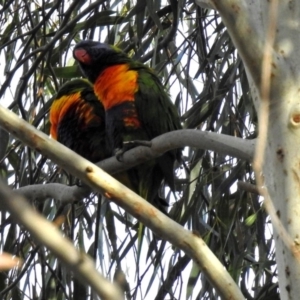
(224,144)
(100,181)
(47,234)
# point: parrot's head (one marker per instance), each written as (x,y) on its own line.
(94,57)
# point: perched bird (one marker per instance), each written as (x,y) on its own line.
(137,108)
(78,120)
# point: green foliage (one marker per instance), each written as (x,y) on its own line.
(193,55)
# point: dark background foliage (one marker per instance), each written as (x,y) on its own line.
(191,51)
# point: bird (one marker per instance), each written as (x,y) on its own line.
(77,120)
(137,108)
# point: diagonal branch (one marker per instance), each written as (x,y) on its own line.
(100,181)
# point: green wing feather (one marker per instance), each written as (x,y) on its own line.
(157,113)
(154,106)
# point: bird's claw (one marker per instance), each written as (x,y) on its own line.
(119,154)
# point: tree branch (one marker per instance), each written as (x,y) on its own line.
(100,181)
(224,144)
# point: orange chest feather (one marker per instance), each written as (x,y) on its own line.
(58,110)
(63,106)
(116,85)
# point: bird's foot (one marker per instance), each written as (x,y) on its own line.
(119,152)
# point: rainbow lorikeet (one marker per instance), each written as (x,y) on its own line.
(137,108)
(78,120)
